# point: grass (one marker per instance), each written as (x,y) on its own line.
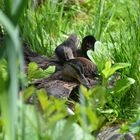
(114,24)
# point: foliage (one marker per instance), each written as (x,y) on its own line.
(115,24)
(53,119)
(13,54)
(119,87)
(44,25)
(35,73)
(132,126)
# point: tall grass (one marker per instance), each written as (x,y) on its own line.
(42,27)
(44,24)
(117,26)
(126,49)
(14,58)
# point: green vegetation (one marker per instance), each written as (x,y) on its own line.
(116,24)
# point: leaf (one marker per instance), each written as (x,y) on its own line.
(99,56)
(28,93)
(14,9)
(93,118)
(98,48)
(97,59)
(108,111)
(135,126)
(118,66)
(65,130)
(13,53)
(32,67)
(43,99)
(84,91)
(35,73)
(107,70)
(91,55)
(12,31)
(123,84)
(98,94)
(108,65)
(33,122)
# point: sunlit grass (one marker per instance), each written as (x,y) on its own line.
(114,24)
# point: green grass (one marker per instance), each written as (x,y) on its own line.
(114,24)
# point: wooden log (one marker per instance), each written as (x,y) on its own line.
(55,86)
(58,88)
(112,133)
